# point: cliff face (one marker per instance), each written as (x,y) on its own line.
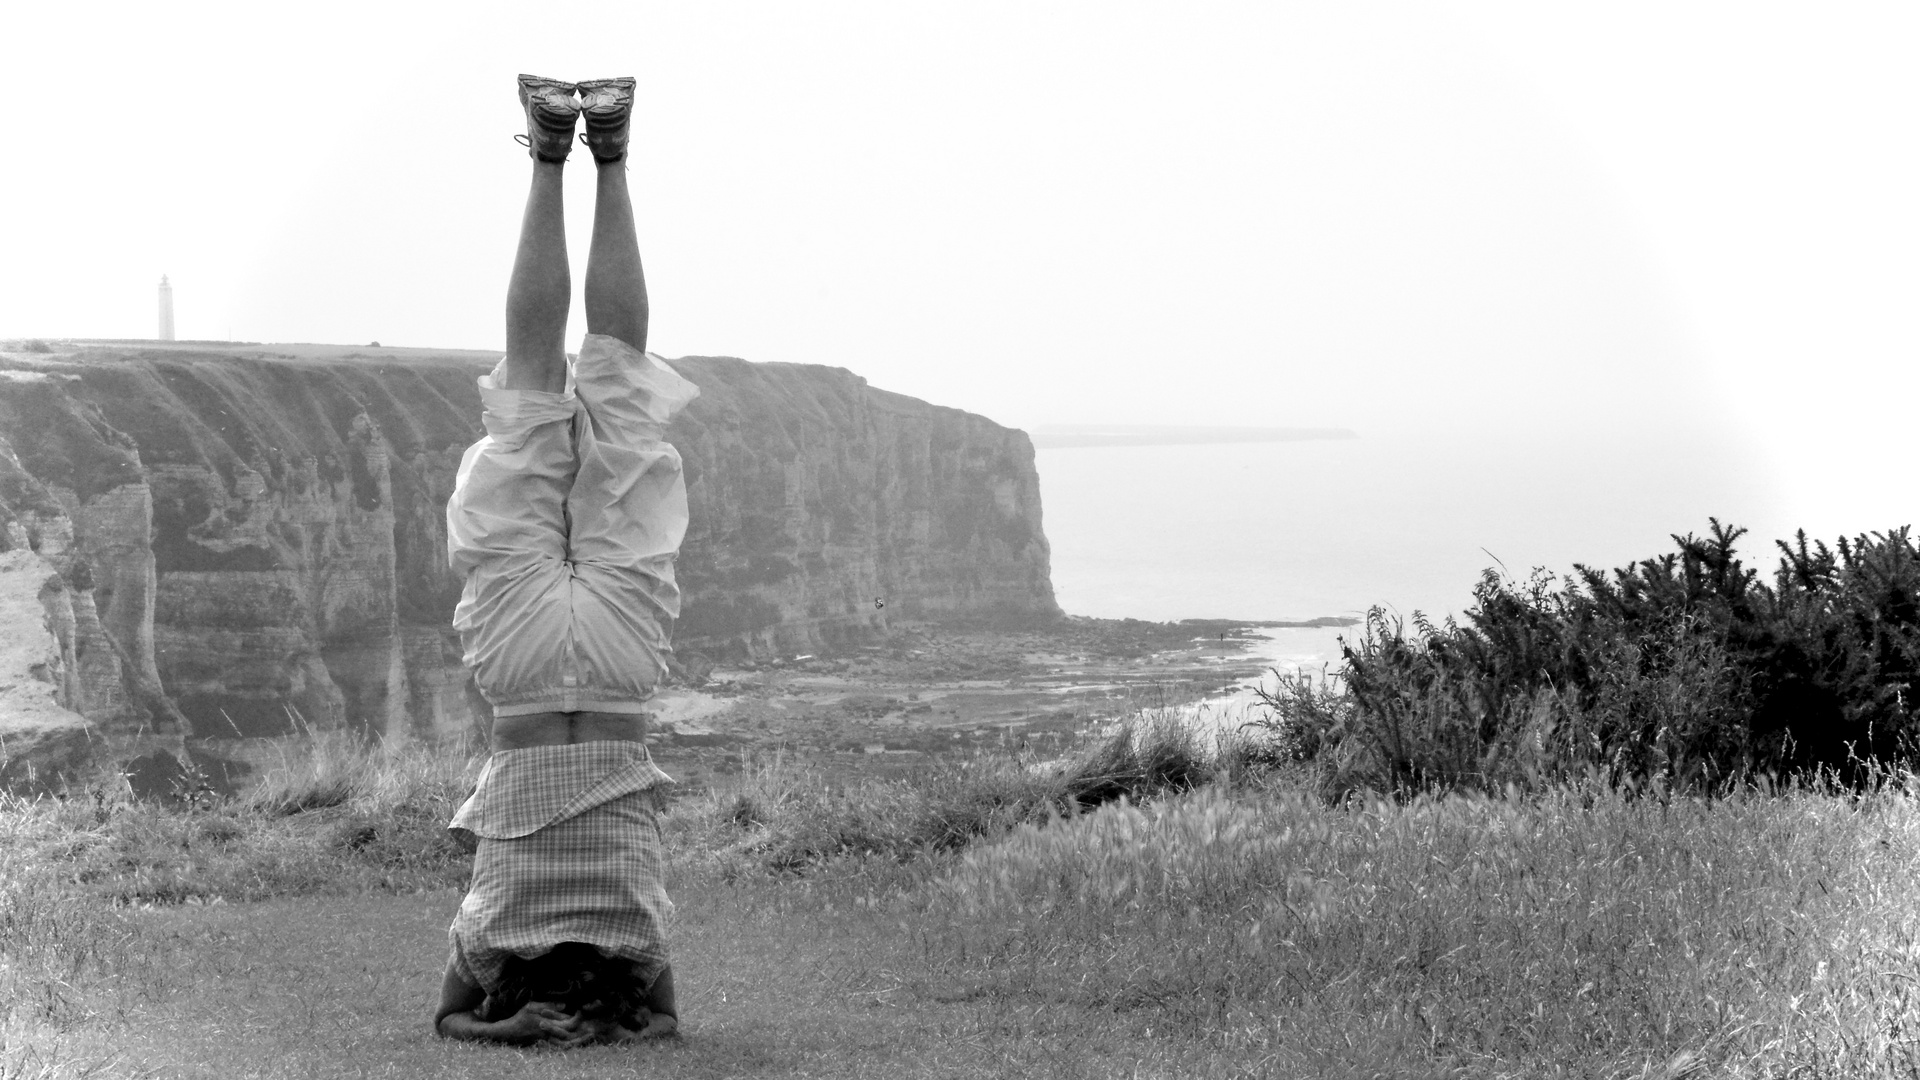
(242,540)
(813,495)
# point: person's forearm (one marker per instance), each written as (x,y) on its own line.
(465,1025)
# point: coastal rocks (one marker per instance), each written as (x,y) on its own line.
(40,737)
(242,543)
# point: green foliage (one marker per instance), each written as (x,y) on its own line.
(1684,669)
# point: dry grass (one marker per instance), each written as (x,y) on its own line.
(1579,932)
(328,769)
(1760,935)
(338,817)
(56,956)
(341,815)
(786,815)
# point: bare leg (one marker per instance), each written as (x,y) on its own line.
(616,288)
(540,290)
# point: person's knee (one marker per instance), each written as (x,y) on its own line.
(660,997)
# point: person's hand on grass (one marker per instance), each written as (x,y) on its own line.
(538,1021)
(649,1025)
(584,1033)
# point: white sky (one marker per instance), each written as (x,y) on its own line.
(1378,215)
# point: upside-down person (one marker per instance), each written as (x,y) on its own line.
(564,523)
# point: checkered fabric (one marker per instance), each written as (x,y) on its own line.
(566,849)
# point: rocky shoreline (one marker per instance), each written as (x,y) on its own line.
(934,690)
(930,690)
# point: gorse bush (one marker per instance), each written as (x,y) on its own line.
(1685,669)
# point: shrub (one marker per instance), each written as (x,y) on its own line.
(1683,669)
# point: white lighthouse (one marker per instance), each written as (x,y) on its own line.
(166,309)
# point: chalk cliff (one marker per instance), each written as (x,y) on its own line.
(242,540)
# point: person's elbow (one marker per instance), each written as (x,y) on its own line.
(453,1025)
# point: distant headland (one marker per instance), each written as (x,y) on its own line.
(1064,436)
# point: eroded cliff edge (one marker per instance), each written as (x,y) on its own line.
(237,541)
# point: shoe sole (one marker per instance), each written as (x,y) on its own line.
(554,120)
(607,124)
(622,88)
(541,83)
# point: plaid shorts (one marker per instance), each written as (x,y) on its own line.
(563,525)
(566,849)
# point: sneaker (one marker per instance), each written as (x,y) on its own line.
(608,104)
(551,112)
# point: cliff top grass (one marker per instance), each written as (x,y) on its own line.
(986,918)
(31,349)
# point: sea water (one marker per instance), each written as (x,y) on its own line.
(1298,530)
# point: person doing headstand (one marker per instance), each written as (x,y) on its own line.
(564,523)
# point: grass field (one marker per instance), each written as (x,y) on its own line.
(969,922)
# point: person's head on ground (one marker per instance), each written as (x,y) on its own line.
(579,980)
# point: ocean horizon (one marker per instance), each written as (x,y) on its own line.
(1296,530)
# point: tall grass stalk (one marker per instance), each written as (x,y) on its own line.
(342,768)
